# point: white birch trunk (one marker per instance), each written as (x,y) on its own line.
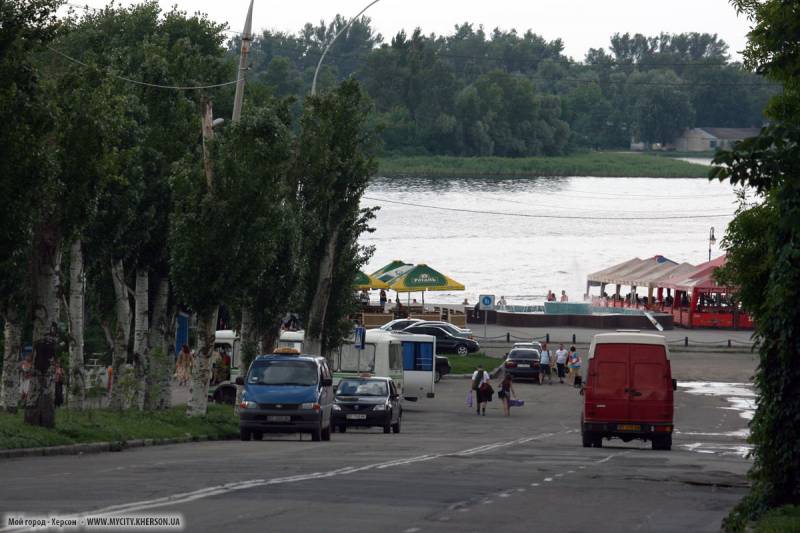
(201,369)
(158,389)
(76,389)
(12,332)
(141,328)
(315,327)
(40,404)
(122,332)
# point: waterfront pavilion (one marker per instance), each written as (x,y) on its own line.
(638,274)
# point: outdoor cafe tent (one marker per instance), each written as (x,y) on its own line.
(365,281)
(393,270)
(424,278)
(638,273)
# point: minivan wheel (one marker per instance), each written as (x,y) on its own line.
(461,349)
(245,434)
(257,435)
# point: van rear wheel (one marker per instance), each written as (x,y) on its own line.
(244,434)
(591,440)
(662,442)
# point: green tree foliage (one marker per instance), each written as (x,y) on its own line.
(763,246)
(434,94)
(333,165)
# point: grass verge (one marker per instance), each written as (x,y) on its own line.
(104,425)
(468,363)
(782,520)
(599,164)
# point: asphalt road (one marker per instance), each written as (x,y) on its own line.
(448,470)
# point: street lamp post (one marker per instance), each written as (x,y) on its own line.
(711,241)
(328,46)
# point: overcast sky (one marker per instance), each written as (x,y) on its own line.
(581,24)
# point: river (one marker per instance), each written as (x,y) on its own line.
(505,237)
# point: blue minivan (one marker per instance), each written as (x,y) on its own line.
(286,393)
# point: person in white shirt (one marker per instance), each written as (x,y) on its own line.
(561,362)
(480,384)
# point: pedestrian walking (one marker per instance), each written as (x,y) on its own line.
(545,362)
(506,392)
(483,389)
(574,364)
(183,368)
(561,363)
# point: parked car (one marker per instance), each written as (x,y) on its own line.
(367,402)
(628,390)
(447,326)
(446,341)
(286,393)
(399,324)
(523,363)
(528,345)
(442,367)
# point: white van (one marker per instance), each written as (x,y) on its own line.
(407,358)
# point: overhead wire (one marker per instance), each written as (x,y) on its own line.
(144,83)
(531,215)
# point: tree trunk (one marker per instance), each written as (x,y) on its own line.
(158,391)
(141,328)
(201,369)
(315,324)
(249,336)
(12,331)
(46,261)
(76,390)
(122,332)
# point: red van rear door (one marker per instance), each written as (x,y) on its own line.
(607,393)
(651,384)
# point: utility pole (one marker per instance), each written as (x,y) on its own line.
(240,78)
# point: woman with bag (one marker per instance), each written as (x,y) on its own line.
(483,390)
(506,392)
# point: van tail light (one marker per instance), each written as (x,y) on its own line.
(663,429)
(511,364)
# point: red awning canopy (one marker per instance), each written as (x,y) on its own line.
(701,278)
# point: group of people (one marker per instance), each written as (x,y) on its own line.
(551,296)
(566,364)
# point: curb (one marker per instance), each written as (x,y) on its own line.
(100,447)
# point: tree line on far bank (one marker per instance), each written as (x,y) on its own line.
(503,93)
(120,209)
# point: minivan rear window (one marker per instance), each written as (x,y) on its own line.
(301,373)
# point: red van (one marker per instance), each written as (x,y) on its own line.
(628,390)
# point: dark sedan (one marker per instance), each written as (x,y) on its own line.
(523,363)
(442,367)
(445,341)
(367,402)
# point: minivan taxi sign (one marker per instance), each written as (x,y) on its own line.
(486,302)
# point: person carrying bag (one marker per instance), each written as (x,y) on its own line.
(483,389)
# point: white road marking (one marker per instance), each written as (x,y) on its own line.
(570,472)
(186,497)
(534,484)
(559,475)
(548,479)
(520,490)
(412,530)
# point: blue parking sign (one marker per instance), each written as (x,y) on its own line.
(359,335)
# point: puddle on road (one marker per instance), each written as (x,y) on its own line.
(740,396)
(739,450)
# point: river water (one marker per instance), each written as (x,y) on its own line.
(520,237)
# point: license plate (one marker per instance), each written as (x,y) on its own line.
(629,427)
(356,417)
(279,419)
(523,365)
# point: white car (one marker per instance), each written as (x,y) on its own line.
(528,346)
